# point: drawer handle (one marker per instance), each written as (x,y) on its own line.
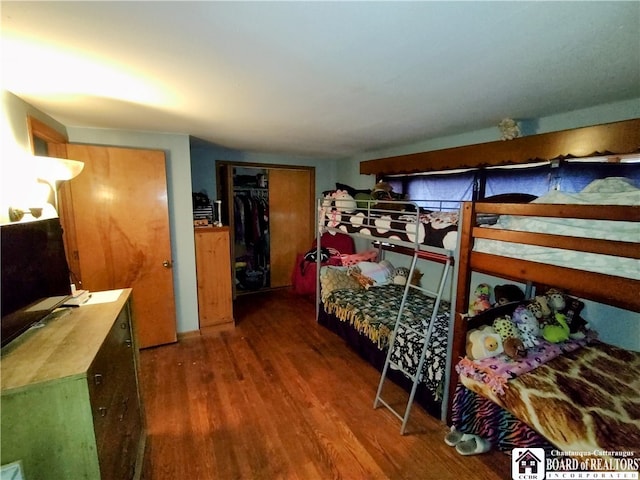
(102,411)
(97,378)
(128,342)
(124,325)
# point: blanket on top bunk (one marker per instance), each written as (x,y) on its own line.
(607,191)
(585,400)
(432,228)
(373,312)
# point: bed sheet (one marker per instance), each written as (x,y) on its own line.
(609,191)
(583,401)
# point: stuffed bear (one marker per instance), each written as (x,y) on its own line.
(510,336)
(482,343)
(527,325)
(507,293)
(480,300)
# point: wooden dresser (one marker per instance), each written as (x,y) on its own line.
(213,265)
(71,406)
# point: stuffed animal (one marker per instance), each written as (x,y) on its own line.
(363,280)
(344,202)
(556,333)
(483,342)
(555,300)
(510,336)
(480,300)
(540,308)
(400,275)
(527,325)
(507,293)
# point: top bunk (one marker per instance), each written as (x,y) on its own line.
(585,243)
(393,224)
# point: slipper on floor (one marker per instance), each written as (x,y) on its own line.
(473,446)
(454,437)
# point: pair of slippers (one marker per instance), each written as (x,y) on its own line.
(466,443)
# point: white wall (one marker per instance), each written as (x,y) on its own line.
(176,148)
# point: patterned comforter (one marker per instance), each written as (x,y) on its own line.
(586,400)
(373,312)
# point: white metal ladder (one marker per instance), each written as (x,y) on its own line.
(422,330)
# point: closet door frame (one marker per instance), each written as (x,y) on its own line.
(224,192)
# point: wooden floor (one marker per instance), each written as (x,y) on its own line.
(282,397)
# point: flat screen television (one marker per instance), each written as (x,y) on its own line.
(35,274)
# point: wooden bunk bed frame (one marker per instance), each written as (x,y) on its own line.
(608,289)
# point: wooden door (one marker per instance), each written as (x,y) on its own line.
(291,219)
(116,215)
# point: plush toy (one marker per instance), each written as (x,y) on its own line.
(527,325)
(344,202)
(555,300)
(540,308)
(556,333)
(363,280)
(400,275)
(507,293)
(480,300)
(510,336)
(483,342)
(570,308)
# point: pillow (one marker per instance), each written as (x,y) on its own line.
(336,278)
(610,185)
(381,273)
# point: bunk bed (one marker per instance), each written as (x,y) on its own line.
(366,317)
(579,399)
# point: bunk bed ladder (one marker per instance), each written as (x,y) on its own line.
(424,332)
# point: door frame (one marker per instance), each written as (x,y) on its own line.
(223,169)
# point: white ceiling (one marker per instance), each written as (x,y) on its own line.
(318,78)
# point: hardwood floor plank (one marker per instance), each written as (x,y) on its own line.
(281,397)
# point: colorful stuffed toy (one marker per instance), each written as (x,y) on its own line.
(480,300)
(482,343)
(556,333)
(527,325)
(511,341)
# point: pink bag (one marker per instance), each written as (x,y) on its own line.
(368,256)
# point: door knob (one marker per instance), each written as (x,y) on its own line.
(167,264)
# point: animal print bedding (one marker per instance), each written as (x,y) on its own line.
(373,313)
(585,400)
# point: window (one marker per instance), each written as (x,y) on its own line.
(536,179)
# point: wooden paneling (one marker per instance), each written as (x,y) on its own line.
(617,138)
(213,265)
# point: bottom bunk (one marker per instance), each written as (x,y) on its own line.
(365,319)
(582,398)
